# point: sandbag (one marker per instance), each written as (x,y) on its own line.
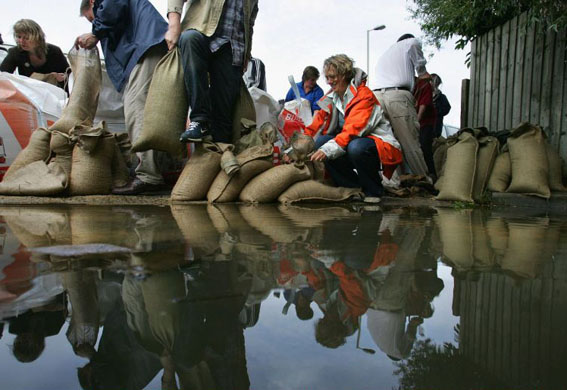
(49,78)
(555,175)
(83,101)
(119,168)
(267,186)
(91,173)
(253,161)
(36,179)
(487,153)
(36,150)
(440,147)
(199,172)
(530,171)
(459,173)
(311,190)
(501,174)
(165,112)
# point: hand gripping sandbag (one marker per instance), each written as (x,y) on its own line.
(530,170)
(165,112)
(37,150)
(83,101)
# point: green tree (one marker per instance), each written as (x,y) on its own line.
(441,20)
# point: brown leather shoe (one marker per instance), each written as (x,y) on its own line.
(136,187)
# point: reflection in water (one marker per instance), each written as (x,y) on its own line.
(195,277)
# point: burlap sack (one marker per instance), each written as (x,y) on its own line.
(526,247)
(314,191)
(440,147)
(199,172)
(555,175)
(119,168)
(83,102)
(266,134)
(165,112)
(317,169)
(252,161)
(267,186)
(455,231)
(36,179)
(91,173)
(501,173)
(228,219)
(530,170)
(243,109)
(487,153)
(459,172)
(36,150)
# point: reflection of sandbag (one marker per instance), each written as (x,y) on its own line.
(165,112)
(267,186)
(526,248)
(487,152)
(82,292)
(458,175)
(555,176)
(35,179)
(497,230)
(197,228)
(482,251)
(91,173)
(268,220)
(93,224)
(36,150)
(253,161)
(38,226)
(83,101)
(501,173)
(313,216)
(455,230)
(199,173)
(311,190)
(227,218)
(530,171)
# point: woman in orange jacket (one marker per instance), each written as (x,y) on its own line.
(352,136)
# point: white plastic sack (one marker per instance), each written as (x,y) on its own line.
(267,108)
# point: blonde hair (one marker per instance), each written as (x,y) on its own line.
(343,64)
(33,31)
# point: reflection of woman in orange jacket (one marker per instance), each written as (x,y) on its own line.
(351,131)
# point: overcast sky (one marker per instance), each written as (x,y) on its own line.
(288,35)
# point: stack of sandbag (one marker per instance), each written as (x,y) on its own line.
(464,172)
(527,165)
(44,166)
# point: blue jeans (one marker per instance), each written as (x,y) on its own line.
(212,83)
(362,155)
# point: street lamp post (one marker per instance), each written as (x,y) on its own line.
(380,27)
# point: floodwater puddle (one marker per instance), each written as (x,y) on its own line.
(281,297)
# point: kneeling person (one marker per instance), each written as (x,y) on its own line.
(352,136)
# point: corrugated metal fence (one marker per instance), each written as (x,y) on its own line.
(518,73)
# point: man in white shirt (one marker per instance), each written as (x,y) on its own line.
(393,85)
